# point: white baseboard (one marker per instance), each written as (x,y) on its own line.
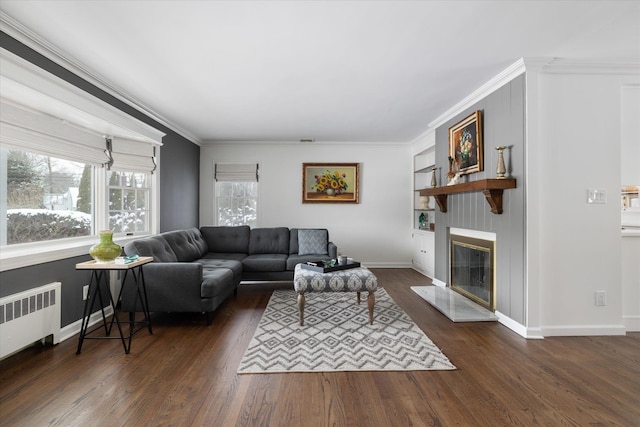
(74,328)
(523,331)
(632,323)
(438,282)
(377,264)
(583,331)
(420,270)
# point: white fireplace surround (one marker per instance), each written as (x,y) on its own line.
(455,306)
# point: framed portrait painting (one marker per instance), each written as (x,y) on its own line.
(465,144)
(330,183)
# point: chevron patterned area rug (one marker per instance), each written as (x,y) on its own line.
(337,337)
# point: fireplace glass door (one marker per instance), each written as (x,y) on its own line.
(472,269)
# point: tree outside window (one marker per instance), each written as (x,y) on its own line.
(42,198)
(237,203)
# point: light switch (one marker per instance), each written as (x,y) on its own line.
(596,196)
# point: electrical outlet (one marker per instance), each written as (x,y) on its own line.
(601,298)
(85,292)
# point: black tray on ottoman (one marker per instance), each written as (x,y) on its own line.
(320,268)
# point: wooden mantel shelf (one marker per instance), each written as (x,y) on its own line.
(492,189)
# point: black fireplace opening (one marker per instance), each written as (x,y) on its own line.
(472,269)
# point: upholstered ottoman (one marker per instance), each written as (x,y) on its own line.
(350,280)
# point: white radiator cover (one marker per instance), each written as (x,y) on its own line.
(29,316)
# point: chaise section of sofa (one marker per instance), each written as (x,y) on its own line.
(178,280)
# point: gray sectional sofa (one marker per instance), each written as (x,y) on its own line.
(195,270)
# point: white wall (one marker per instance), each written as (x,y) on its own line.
(575,246)
(377,231)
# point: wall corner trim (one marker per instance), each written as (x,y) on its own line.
(523,331)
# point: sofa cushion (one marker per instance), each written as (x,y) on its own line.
(233,265)
(188,245)
(155,246)
(227,256)
(312,242)
(215,282)
(269,241)
(227,239)
(265,262)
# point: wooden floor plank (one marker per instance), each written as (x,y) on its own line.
(185,374)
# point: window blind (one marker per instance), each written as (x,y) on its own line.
(236,172)
(133,156)
(24,129)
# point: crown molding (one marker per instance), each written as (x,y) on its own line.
(24,35)
(590,66)
(542,65)
(263,143)
(508,74)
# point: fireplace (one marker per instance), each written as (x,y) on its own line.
(472,264)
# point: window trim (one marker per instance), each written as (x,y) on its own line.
(33,253)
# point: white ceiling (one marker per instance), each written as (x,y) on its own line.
(357,71)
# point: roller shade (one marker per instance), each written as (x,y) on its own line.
(236,172)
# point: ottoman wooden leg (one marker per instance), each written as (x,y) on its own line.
(358,297)
(371,301)
(301,302)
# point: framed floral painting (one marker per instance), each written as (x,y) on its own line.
(465,145)
(330,183)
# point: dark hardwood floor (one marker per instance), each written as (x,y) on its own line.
(185,375)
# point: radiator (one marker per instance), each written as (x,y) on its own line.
(29,316)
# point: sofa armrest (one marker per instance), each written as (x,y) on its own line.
(333,250)
(185,274)
(171,286)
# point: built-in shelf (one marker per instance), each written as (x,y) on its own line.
(491,188)
(424,170)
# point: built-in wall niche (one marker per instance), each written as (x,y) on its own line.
(630,205)
(423,206)
(630,196)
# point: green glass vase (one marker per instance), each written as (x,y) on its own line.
(106,250)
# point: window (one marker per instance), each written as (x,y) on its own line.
(70,166)
(48,198)
(237,203)
(128,201)
(236,194)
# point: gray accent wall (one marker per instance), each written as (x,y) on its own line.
(179,184)
(179,191)
(504,125)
